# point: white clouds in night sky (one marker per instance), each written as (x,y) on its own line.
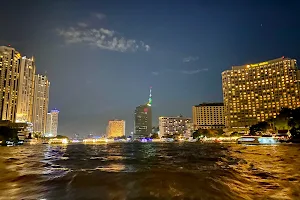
(190,59)
(101,38)
(155,73)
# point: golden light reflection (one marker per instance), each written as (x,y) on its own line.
(112,168)
(58,141)
(266,171)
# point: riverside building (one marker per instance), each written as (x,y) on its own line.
(143,119)
(169,126)
(256,92)
(209,116)
(9,80)
(116,128)
(40,104)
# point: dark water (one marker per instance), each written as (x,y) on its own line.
(150,171)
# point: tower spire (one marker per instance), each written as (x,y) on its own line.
(150,97)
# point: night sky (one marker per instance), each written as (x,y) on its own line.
(102,56)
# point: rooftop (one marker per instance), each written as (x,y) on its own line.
(263,63)
(210,104)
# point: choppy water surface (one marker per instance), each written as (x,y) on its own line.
(150,171)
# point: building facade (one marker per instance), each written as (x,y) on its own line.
(51,123)
(169,126)
(40,103)
(142,121)
(54,122)
(9,80)
(209,116)
(257,92)
(116,128)
(26,90)
(48,125)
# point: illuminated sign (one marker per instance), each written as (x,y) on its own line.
(257,64)
(263,63)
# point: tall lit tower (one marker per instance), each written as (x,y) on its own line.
(54,122)
(40,103)
(26,90)
(143,119)
(9,80)
(48,125)
(150,97)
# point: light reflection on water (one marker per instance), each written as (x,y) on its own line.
(150,171)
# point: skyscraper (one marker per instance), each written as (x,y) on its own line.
(9,80)
(116,128)
(40,103)
(54,122)
(26,90)
(256,92)
(48,125)
(51,123)
(143,119)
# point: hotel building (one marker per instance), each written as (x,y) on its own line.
(9,81)
(26,90)
(116,128)
(169,126)
(257,92)
(208,116)
(40,103)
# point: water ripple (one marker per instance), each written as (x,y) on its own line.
(150,171)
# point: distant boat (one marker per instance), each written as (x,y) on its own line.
(248,140)
(10,143)
(95,141)
(58,141)
(268,140)
(257,140)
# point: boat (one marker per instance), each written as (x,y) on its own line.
(96,141)
(248,140)
(266,139)
(58,141)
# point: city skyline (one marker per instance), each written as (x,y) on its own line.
(179,49)
(24,95)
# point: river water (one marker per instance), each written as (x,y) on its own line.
(150,171)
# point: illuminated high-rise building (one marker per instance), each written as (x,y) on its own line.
(257,92)
(116,128)
(169,126)
(48,124)
(54,122)
(26,90)
(40,103)
(209,116)
(9,81)
(143,119)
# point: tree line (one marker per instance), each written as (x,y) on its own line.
(287,119)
